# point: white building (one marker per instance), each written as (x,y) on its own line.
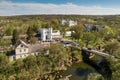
(45,34)
(68,33)
(63,22)
(48,34)
(70,23)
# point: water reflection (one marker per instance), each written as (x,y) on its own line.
(79,71)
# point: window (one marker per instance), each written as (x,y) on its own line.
(24,50)
(20,50)
(21,45)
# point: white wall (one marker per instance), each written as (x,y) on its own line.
(68,33)
(21,49)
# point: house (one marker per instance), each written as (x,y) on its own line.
(70,23)
(22,50)
(48,34)
(90,27)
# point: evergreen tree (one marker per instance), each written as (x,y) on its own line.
(30,33)
(15,36)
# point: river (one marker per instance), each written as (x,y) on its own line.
(79,71)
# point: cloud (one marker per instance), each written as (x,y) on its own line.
(8,8)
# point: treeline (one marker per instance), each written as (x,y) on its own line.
(8,24)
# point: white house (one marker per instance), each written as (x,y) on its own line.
(22,50)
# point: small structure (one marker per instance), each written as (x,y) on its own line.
(22,50)
(70,23)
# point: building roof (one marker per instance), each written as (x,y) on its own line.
(21,42)
(35,48)
(32,47)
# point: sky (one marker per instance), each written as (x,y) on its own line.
(78,7)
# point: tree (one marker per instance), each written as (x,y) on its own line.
(35,28)
(77,31)
(55,24)
(4,42)
(29,62)
(18,65)
(3,63)
(88,38)
(23,75)
(59,55)
(108,33)
(30,33)
(9,31)
(63,31)
(15,36)
(33,40)
(115,67)
(3,77)
(112,47)
(41,62)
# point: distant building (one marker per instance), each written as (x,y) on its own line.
(90,27)
(70,23)
(22,50)
(64,22)
(48,34)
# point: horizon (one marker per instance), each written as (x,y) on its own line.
(58,15)
(63,7)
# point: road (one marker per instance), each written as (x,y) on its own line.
(97,52)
